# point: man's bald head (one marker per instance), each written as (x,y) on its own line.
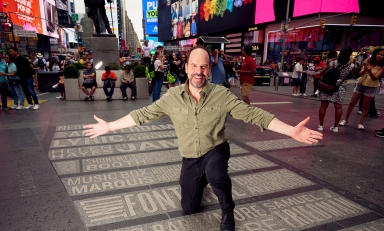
(198,47)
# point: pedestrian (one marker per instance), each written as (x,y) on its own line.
(296,76)
(14,84)
(366,85)
(128,80)
(3,85)
(174,63)
(198,111)
(304,79)
(218,60)
(55,66)
(89,76)
(25,71)
(157,81)
(182,74)
(319,66)
(247,72)
(146,53)
(346,69)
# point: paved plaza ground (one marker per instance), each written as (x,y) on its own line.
(54,178)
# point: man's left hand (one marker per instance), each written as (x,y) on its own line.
(304,134)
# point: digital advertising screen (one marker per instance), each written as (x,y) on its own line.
(275,10)
(183,18)
(150,8)
(37,15)
(325,6)
(223,15)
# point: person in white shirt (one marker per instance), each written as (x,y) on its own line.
(296,76)
(146,53)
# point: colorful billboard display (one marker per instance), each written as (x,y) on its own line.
(275,10)
(325,6)
(37,15)
(150,16)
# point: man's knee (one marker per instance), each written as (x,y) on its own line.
(188,207)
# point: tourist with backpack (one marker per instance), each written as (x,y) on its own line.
(333,88)
(40,62)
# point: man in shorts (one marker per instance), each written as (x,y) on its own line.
(296,76)
(89,76)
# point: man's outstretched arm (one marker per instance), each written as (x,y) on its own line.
(102,127)
(299,132)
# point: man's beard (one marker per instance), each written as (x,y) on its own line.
(202,84)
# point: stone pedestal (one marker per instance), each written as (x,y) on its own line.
(142,88)
(105,50)
(72,89)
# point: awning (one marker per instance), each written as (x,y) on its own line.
(211,40)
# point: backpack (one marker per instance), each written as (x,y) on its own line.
(327,84)
(40,64)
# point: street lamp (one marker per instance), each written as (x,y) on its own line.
(284,29)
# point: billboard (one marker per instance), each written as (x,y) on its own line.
(325,6)
(111,10)
(150,16)
(180,19)
(37,15)
(275,10)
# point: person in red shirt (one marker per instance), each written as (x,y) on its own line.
(319,66)
(247,72)
(109,78)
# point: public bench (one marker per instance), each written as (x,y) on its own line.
(73,87)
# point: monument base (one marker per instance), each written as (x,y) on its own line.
(105,50)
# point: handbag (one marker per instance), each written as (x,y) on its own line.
(109,83)
(170,78)
(326,88)
(14,81)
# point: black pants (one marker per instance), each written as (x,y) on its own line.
(123,88)
(315,83)
(3,93)
(103,15)
(196,173)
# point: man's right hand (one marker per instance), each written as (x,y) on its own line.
(95,130)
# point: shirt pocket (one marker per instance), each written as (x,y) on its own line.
(210,115)
(180,117)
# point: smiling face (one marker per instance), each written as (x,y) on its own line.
(198,68)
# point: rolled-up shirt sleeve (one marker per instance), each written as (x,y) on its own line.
(238,109)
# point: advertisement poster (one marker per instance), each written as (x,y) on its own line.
(223,15)
(299,39)
(114,26)
(26,14)
(48,15)
(150,17)
(183,16)
(301,7)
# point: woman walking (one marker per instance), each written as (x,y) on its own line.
(367,84)
(346,68)
(14,84)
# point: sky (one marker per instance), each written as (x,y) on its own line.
(134,10)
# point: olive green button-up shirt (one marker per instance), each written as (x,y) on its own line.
(201,126)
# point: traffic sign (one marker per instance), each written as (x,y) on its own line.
(75,17)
